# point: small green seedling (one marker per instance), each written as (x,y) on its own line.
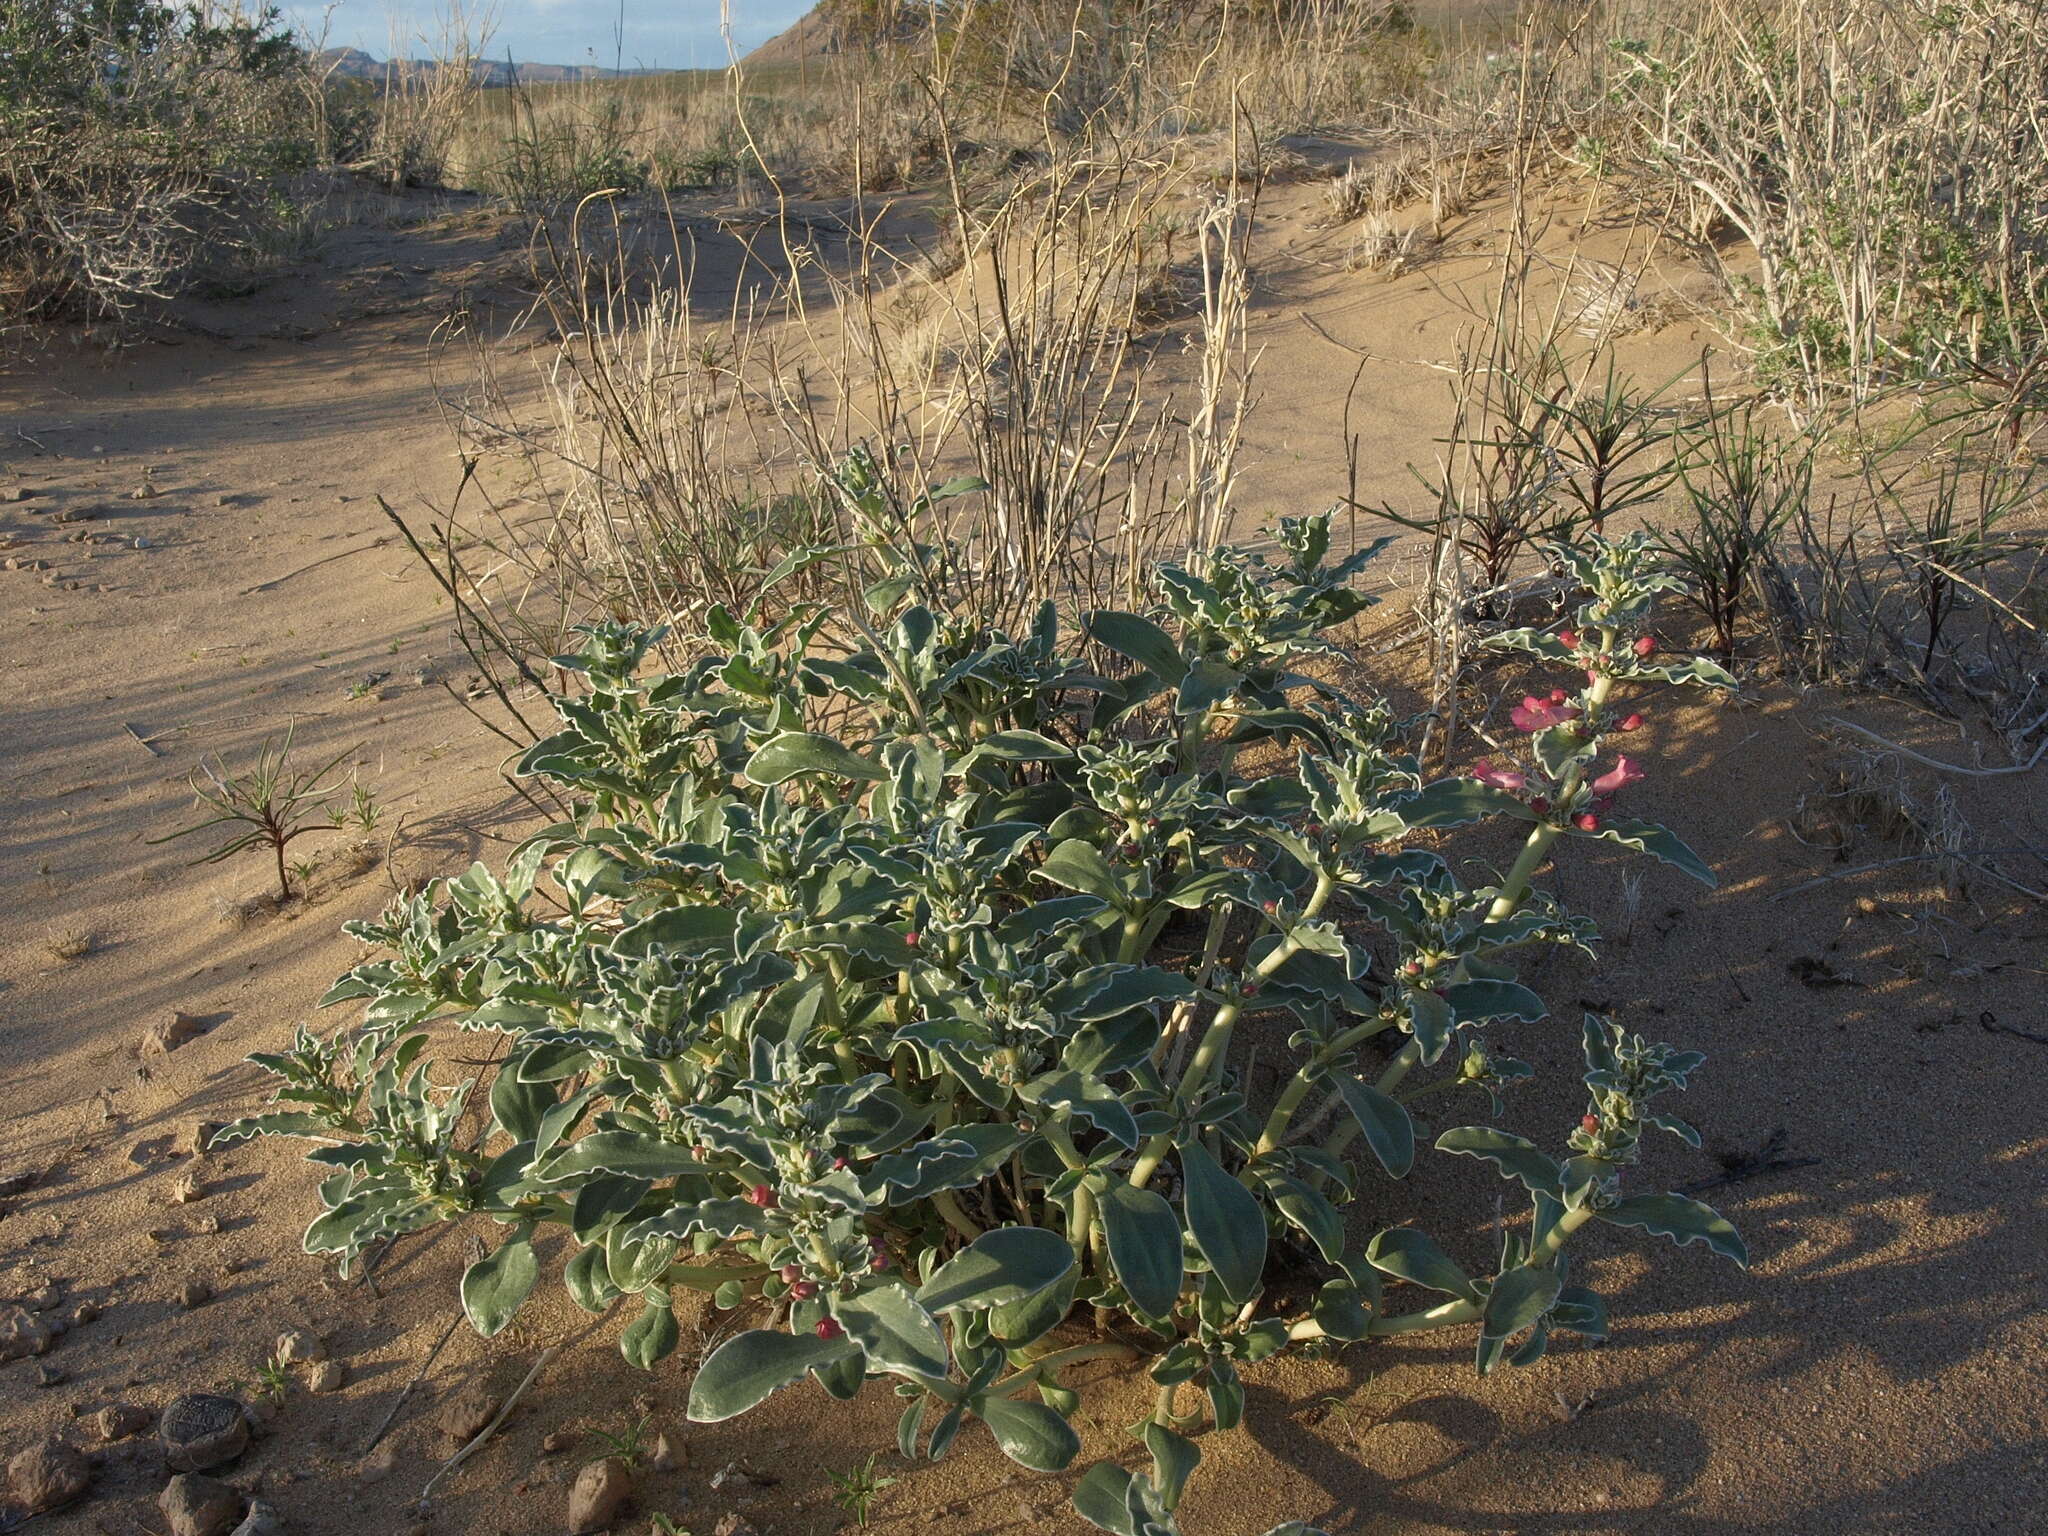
(856,1489)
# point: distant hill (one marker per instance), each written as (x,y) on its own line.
(355,64)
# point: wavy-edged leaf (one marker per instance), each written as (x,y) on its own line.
(749,1366)
(1030,1434)
(1412,1255)
(1659,842)
(1513,1156)
(1682,1220)
(1385,1121)
(785,756)
(1000,1266)
(1227,1221)
(1144,1246)
(497,1285)
(652,1336)
(893,1330)
(1138,640)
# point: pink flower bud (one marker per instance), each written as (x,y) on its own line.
(1592,677)
(1269,906)
(1630,723)
(838,1163)
(1558,695)
(1412,968)
(1540,805)
(1586,821)
(762,1196)
(1568,638)
(1590,1124)
(791,1273)
(1646,645)
(1250,988)
(913,938)
(828,1329)
(804,1290)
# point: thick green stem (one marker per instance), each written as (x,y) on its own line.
(1081,1216)
(1010,1386)
(1217,1040)
(1304,1080)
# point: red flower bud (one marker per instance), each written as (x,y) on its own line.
(792,1273)
(762,1196)
(1646,645)
(1558,695)
(879,1259)
(1540,805)
(828,1329)
(1151,823)
(1591,677)
(1590,1124)
(913,938)
(1251,988)
(1630,722)
(838,1163)
(1270,906)
(1568,638)
(804,1290)
(1412,968)
(1586,821)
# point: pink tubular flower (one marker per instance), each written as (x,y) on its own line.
(1626,771)
(1630,722)
(1534,714)
(1499,778)
(1586,821)
(1568,638)
(1646,646)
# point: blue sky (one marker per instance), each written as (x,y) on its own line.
(665,33)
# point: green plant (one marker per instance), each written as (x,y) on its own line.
(273,1379)
(897,981)
(363,814)
(856,1489)
(630,1445)
(1742,487)
(273,804)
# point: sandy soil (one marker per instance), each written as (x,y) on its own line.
(1883,1366)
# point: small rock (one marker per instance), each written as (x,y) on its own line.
(47,1476)
(601,1487)
(557,1441)
(326,1376)
(22,1334)
(141,1154)
(465,1415)
(193,1137)
(732,1523)
(262,1520)
(295,1346)
(209,1226)
(117,1421)
(15,493)
(196,1292)
(48,1375)
(663,1457)
(199,1506)
(85,1312)
(20,1181)
(187,1189)
(172,1030)
(201,1430)
(44,1298)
